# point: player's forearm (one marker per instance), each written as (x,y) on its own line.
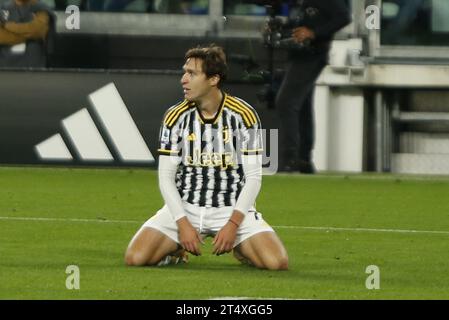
(167,174)
(237,218)
(36,29)
(248,196)
(252,168)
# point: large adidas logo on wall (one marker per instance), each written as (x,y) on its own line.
(86,141)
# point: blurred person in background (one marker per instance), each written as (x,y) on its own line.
(24,30)
(311,25)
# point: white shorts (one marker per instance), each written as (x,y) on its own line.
(208,221)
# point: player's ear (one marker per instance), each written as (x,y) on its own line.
(214,80)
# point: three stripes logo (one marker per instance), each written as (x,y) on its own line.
(86,141)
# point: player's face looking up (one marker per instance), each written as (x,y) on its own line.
(194,82)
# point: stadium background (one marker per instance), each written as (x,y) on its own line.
(382,117)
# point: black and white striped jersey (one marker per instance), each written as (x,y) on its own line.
(210,173)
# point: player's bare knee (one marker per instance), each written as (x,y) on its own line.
(277,263)
(130,259)
(283,263)
(134,259)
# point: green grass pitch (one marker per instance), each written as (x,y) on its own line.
(333,226)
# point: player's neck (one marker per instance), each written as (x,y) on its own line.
(209,105)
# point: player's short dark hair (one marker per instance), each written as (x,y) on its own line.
(214,60)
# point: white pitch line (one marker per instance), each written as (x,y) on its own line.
(252,298)
(362,229)
(68,220)
(275,227)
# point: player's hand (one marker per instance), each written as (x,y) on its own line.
(224,239)
(302,34)
(189,238)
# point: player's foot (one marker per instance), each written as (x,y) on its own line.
(178,257)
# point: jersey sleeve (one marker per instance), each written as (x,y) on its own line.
(251,138)
(169,138)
